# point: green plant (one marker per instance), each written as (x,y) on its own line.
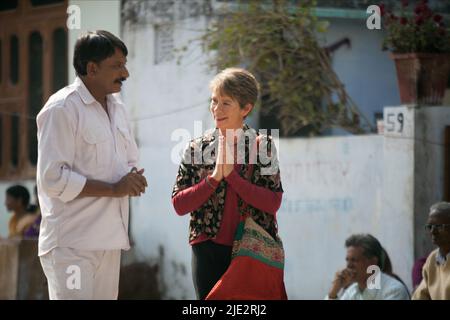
(421,31)
(277,41)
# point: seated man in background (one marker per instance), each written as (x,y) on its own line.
(17,202)
(435,284)
(364,251)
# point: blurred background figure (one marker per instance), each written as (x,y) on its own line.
(32,232)
(17,202)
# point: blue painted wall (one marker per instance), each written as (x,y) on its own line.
(367,72)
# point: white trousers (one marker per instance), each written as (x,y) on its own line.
(82,275)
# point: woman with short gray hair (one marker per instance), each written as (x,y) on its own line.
(214,190)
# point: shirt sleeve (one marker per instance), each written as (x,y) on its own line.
(265,191)
(194,197)
(56,154)
(347,294)
(187,194)
(396,293)
(132,149)
(257,196)
(422,292)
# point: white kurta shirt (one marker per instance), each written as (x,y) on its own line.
(390,289)
(77,141)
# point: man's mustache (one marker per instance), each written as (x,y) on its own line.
(120,80)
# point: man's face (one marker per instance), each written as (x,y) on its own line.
(440,235)
(111,72)
(358,263)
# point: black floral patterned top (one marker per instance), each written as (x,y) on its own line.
(199,161)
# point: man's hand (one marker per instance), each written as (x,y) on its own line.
(132,184)
(342,280)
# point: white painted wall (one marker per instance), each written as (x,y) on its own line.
(333,186)
(151,91)
(364,66)
(316,217)
(95,15)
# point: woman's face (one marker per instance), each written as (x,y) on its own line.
(226,111)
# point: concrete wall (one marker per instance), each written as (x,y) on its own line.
(333,186)
(422,135)
(95,14)
(364,69)
(316,217)
(429,179)
(163,96)
(21,275)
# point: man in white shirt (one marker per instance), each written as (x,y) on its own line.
(86,171)
(365,255)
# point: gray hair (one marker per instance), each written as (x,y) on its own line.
(237,83)
(440,207)
(370,245)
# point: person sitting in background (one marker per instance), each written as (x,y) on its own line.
(363,251)
(435,284)
(17,201)
(32,232)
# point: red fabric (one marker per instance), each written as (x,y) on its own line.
(230,221)
(259,197)
(249,279)
(193,197)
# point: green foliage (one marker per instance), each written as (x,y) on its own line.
(277,41)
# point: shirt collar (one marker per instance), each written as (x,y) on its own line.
(88,98)
(441,259)
(84,93)
(371,293)
(115,98)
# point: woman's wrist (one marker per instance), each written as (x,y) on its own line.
(227,171)
(216,177)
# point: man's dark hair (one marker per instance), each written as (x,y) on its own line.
(19,192)
(95,46)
